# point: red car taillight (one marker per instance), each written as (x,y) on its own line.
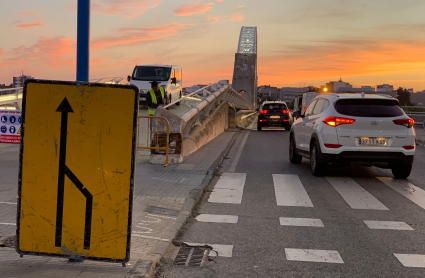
(285,111)
(406,122)
(336,121)
(263,111)
(409,147)
(333,146)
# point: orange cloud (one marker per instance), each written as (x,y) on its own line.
(220,1)
(194,8)
(237,17)
(136,35)
(1,51)
(355,59)
(126,8)
(38,23)
(241,6)
(56,52)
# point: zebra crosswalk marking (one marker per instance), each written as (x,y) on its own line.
(355,195)
(408,190)
(290,191)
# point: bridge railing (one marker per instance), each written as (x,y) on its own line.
(11,97)
(216,93)
(417,113)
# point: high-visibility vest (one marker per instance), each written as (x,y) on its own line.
(154,100)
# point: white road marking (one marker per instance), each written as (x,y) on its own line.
(8,224)
(217,218)
(8,203)
(229,189)
(411,260)
(221,249)
(408,190)
(235,161)
(311,255)
(290,191)
(387,225)
(355,195)
(302,222)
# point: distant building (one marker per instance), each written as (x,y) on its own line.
(290,93)
(268,91)
(363,89)
(411,91)
(194,88)
(385,88)
(4,86)
(20,80)
(334,86)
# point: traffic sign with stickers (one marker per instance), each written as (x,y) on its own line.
(10,125)
(77,170)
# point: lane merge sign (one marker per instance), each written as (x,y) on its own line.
(76,175)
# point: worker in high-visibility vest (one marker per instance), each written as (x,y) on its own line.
(155,97)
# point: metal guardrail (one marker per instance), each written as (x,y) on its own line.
(217,92)
(157,147)
(13,99)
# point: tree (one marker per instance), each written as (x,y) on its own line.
(403,97)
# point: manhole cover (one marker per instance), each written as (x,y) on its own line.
(8,242)
(192,256)
(158,210)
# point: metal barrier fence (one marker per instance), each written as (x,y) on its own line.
(157,147)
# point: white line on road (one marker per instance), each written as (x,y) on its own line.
(235,161)
(9,224)
(408,190)
(302,222)
(229,189)
(387,225)
(9,203)
(310,255)
(221,249)
(214,218)
(151,237)
(355,195)
(411,260)
(290,191)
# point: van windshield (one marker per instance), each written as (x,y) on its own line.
(151,73)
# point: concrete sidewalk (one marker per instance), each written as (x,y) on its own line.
(163,198)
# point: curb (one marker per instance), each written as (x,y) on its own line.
(146,268)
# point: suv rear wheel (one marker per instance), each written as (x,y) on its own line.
(318,168)
(401,171)
(259,127)
(294,158)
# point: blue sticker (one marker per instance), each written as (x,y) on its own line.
(3,129)
(12,119)
(4,119)
(19,120)
(12,129)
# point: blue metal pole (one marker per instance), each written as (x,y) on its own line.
(83,40)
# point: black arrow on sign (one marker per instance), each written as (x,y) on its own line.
(66,108)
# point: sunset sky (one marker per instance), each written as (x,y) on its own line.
(300,42)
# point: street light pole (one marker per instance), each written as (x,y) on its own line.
(83,40)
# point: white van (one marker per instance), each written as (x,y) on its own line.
(307,98)
(168,77)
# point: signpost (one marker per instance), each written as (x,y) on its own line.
(10,126)
(77,170)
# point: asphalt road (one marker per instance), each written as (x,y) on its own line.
(261,247)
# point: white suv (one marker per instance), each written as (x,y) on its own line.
(342,128)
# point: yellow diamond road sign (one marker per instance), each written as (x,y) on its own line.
(77,170)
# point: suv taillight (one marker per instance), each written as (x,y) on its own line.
(285,111)
(406,122)
(336,121)
(263,111)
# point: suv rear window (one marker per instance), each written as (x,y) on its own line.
(272,106)
(369,107)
